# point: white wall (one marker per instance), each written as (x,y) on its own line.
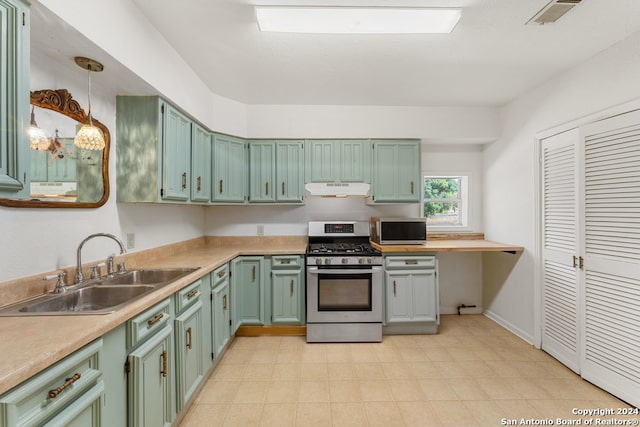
(42,240)
(608,79)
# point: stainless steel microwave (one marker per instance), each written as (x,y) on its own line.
(399,231)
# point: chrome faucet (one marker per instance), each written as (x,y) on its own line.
(79,276)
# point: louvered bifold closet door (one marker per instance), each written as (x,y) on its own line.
(560,333)
(611,356)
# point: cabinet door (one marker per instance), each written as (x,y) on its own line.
(176,154)
(150,381)
(320,161)
(262,159)
(290,172)
(286,297)
(247,284)
(408,172)
(229,171)
(385,158)
(412,296)
(396,172)
(398,297)
(189,345)
(200,165)
(221,316)
(14,98)
(424,297)
(355,161)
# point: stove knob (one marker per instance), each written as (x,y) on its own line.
(369,260)
(345,260)
(318,261)
(360,260)
(327,260)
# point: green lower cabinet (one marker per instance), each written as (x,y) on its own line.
(286,297)
(189,353)
(68,393)
(220,316)
(411,297)
(248,290)
(150,381)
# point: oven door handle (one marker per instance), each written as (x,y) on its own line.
(316,270)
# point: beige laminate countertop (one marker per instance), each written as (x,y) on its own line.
(31,344)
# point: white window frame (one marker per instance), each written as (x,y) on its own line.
(463,202)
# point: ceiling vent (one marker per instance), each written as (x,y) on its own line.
(553,11)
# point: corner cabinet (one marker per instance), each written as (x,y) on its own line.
(276,171)
(396,172)
(229,169)
(411,290)
(154,153)
(14,99)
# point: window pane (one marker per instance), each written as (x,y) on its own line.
(441,188)
(442,213)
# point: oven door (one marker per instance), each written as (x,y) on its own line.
(344,295)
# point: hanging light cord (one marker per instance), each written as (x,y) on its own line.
(89,94)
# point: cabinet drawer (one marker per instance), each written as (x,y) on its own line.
(410,262)
(147,323)
(187,296)
(286,261)
(36,400)
(219,274)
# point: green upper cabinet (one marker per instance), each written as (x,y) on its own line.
(289,171)
(229,169)
(276,171)
(346,160)
(176,155)
(262,174)
(154,161)
(396,173)
(14,98)
(200,165)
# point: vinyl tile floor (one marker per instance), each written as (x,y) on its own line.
(472,373)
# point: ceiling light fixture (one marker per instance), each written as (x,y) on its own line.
(89,137)
(357,20)
(37,138)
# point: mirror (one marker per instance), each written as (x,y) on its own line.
(61,174)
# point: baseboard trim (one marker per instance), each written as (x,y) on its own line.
(509,326)
(264,331)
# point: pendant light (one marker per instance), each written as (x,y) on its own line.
(37,138)
(89,137)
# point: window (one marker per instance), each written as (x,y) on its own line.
(445,201)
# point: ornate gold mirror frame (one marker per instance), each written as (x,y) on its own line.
(61,101)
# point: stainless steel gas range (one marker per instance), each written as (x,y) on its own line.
(344,283)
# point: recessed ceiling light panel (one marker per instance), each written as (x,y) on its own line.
(356,20)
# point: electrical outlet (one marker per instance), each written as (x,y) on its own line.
(261,230)
(131,240)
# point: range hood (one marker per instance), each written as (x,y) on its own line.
(338,189)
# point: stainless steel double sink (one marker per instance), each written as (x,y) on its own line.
(98,296)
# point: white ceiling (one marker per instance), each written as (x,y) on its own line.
(490,58)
